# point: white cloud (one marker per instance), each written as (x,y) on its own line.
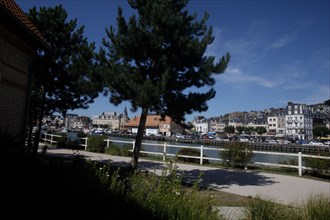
(236,77)
(283,41)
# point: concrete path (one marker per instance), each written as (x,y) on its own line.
(280,188)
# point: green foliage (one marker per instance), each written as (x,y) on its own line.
(327,102)
(96,143)
(156,57)
(240,129)
(165,197)
(293,162)
(65,142)
(229,129)
(248,130)
(236,154)
(265,209)
(318,166)
(119,150)
(190,152)
(81,134)
(260,130)
(320,131)
(152,61)
(162,197)
(66,73)
(314,207)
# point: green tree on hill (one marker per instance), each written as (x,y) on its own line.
(155,60)
(229,129)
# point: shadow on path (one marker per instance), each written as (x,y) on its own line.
(221,178)
(212,178)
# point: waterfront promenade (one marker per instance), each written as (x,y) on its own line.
(280,188)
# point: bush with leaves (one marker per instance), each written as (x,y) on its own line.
(96,143)
(318,166)
(190,152)
(119,150)
(236,154)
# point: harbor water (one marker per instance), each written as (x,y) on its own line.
(172,148)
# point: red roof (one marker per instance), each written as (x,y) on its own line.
(12,8)
(152,121)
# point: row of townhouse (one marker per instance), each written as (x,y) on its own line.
(155,125)
(295,121)
(113,120)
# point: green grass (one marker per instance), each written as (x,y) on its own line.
(316,207)
(55,188)
(50,187)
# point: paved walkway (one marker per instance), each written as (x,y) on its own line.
(280,188)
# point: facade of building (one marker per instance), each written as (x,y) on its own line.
(69,121)
(217,126)
(19,40)
(299,121)
(201,125)
(113,120)
(155,125)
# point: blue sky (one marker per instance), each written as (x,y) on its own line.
(279,50)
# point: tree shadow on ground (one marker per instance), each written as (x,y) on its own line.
(213,178)
(223,178)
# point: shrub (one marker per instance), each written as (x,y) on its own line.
(119,150)
(63,141)
(315,207)
(293,162)
(265,209)
(236,154)
(96,143)
(317,165)
(190,152)
(165,198)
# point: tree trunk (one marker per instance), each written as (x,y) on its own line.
(39,124)
(30,133)
(138,139)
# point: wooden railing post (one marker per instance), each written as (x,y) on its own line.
(51,139)
(86,139)
(201,159)
(108,141)
(164,152)
(299,164)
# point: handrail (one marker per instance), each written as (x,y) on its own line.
(201,148)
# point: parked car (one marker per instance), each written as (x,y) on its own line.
(284,142)
(327,143)
(317,143)
(302,142)
(242,139)
(272,141)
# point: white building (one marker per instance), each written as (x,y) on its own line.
(111,119)
(201,125)
(299,121)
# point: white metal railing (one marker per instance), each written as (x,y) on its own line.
(164,152)
(201,157)
(51,138)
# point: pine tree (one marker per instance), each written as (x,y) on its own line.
(66,76)
(154,59)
